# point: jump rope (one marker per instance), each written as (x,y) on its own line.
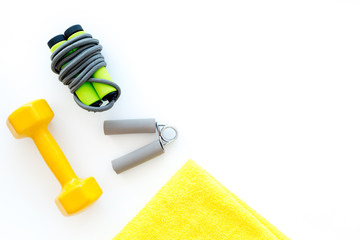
(76,57)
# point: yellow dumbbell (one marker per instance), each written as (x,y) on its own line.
(31,120)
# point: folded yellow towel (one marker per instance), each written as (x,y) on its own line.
(193,205)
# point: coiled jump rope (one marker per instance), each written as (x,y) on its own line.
(76,57)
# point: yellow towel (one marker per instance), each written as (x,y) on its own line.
(193,205)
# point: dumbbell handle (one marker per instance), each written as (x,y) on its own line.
(53,156)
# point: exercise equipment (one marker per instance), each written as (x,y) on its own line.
(77,58)
(146,152)
(31,120)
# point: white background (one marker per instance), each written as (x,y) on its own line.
(265,96)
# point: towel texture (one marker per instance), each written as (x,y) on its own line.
(193,205)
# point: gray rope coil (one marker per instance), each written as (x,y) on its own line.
(80,66)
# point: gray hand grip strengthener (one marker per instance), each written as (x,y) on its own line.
(144,153)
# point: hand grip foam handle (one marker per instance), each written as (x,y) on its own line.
(137,157)
(129,126)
